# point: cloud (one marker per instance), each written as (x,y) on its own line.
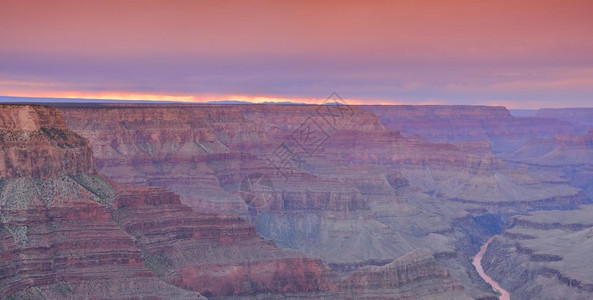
(455,52)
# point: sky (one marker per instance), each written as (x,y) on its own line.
(520,54)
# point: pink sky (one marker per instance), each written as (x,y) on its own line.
(516,53)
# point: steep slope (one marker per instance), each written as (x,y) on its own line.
(402,279)
(461,123)
(169,146)
(218,255)
(70,233)
(567,158)
(57,240)
(62,237)
(545,255)
(562,150)
(58,151)
(343,187)
(581,117)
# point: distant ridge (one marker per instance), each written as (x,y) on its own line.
(247,102)
(10,99)
(523,113)
(40,100)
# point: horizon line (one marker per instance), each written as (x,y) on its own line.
(280,101)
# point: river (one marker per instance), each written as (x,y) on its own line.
(477,262)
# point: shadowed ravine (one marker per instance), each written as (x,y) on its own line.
(477,262)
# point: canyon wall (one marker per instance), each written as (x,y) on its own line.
(545,255)
(58,240)
(68,232)
(345,185)
(58,151)
(464,122)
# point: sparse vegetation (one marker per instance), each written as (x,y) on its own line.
(62,288)
(27,294)
(97,186)
(19,233)
(158,264)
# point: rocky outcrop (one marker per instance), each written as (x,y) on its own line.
(461,123)
(30,118)
(35,143)
(417,270)
(64,244)
(545,255)
(198,251)
(560,151)
(76,235)
(181,148)
(58,239)
(222,256)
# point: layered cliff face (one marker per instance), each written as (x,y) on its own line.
(343,187)
(545,255)
(582,118)
(203,152)
(172,147)
(75,235)
(461,123)
(62,236)
(57,239)
(403,278)
(78,235)
(561,150)
(217,255)
(36,143)
(565,158)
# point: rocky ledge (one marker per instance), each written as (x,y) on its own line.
(58,239)
(544,255)
(34,142)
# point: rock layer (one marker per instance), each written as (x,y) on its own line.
(547,254)
(67,232)
(347,186)
(417,270)
(58,239)
(456,123)
(218,255)
(35,143)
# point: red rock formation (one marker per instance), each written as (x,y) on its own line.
(36,143)
(149,211)
(73,250)
(30,118)
(57,239)
(219,255)
(62,227)
(367,193)
(222,256)
(203,152)
(60,237)
(416,271)
(174,147)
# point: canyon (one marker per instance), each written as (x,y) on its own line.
(361,202)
